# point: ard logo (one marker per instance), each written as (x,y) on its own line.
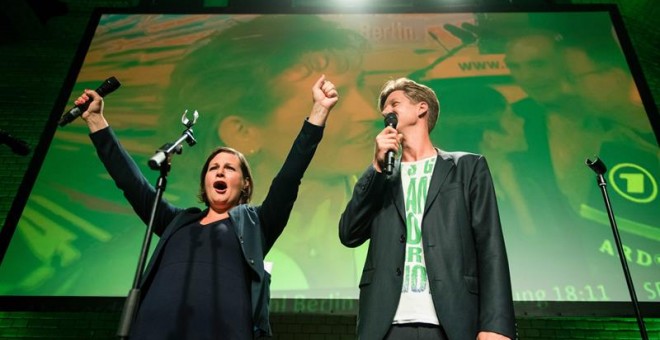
(633,183)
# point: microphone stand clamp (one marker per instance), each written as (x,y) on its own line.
(162,158)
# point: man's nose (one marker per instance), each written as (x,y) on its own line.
(386,109)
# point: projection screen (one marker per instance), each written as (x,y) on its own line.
(535,92)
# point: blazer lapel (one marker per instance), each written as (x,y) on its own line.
(440,172)
(397,192)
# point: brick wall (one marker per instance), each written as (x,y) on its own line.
(103,325)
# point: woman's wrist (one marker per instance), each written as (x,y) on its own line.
(96,123)
(319,115)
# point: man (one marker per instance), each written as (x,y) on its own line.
(545,168)
(580,103)
(436,266)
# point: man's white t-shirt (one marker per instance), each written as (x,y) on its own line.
(415,304)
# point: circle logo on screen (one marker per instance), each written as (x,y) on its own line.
(633,183)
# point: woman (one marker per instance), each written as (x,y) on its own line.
(206,277)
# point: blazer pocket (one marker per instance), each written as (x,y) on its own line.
(451,186)
(471,284)
(367,277)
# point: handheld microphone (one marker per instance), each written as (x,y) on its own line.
(108,86)
(390,120)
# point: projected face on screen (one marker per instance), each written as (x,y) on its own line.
(529,102)
(536,64)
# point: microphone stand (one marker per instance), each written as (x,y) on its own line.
(599,168)
(160,161)
(16,145)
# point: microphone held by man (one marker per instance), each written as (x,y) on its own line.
(390,120)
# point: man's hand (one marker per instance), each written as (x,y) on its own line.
(491,336)
(388,139)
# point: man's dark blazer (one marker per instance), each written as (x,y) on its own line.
(463,246)
(257,227)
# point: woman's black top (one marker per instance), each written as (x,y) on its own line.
(200,289)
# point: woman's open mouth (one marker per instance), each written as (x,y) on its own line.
(220,186)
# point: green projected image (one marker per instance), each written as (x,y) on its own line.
(530,91)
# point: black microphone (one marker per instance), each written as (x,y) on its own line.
(596,165)
(390,120)
(108,86)
(18,146)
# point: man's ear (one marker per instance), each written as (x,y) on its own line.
(238,133)
(422,109)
